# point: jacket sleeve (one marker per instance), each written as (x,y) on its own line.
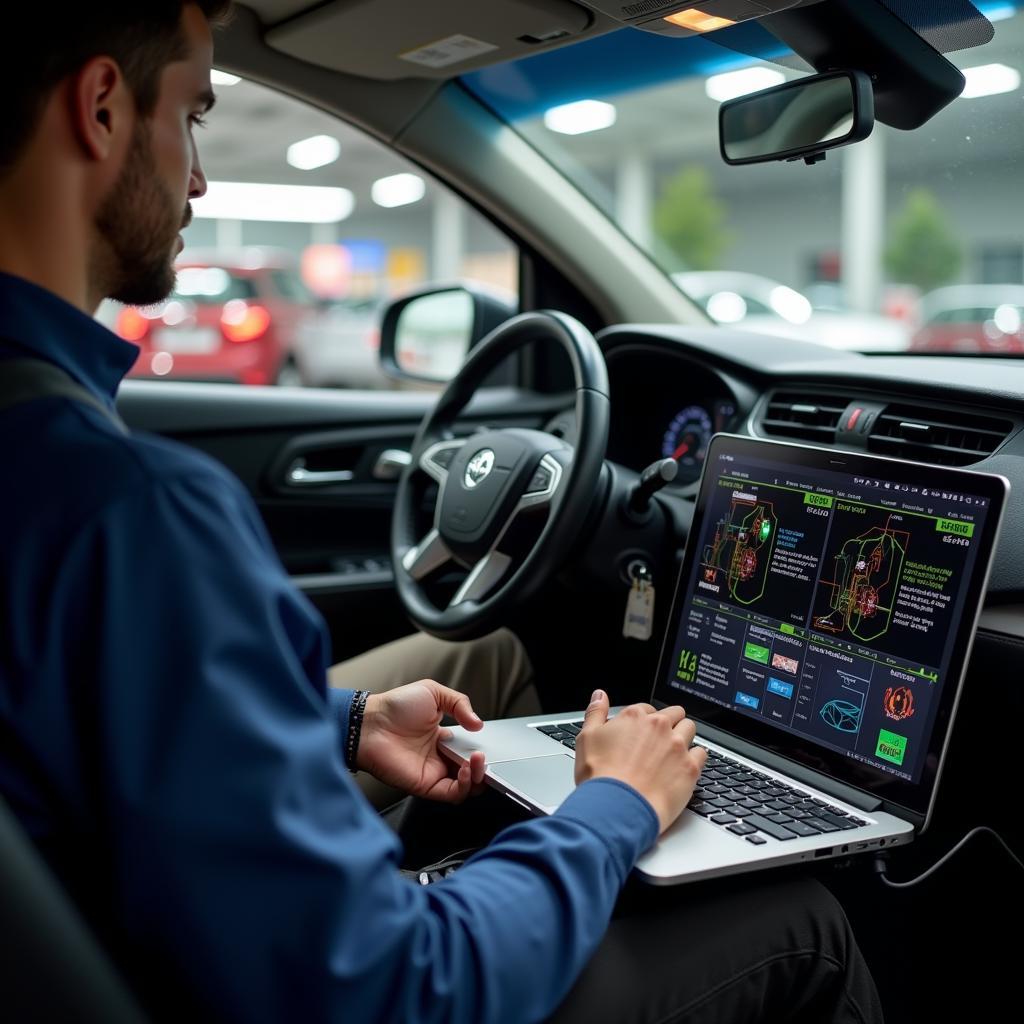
(246,862)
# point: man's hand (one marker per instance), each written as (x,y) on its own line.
(648,749)
(398,743)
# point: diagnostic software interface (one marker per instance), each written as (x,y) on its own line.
(826,604)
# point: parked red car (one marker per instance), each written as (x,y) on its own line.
(972,318)
(232,317)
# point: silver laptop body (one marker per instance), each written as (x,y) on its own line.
(905,570)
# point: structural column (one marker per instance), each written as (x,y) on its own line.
(229,234)
(633,186)
(449,237)
(863,227)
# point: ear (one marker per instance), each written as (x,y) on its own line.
(102,108)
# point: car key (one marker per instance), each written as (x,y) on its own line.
(639,620)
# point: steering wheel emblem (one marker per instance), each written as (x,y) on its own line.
(479,468)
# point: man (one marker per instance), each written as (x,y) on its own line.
(171,745)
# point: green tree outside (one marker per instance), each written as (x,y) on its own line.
(690,219)
(923,249)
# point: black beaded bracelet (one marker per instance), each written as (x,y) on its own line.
(355,727)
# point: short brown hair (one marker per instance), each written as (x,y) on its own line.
(43,44)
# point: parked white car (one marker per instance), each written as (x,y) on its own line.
(765,306)
(339,346)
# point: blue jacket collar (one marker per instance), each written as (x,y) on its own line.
(39,323)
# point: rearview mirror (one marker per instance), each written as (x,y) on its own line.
(798,120)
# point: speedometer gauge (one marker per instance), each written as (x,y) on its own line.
(687,437)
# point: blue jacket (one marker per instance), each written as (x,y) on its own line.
(168,740)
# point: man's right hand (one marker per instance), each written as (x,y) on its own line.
(647,749)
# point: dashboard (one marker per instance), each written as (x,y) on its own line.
(666,407)
(672,388)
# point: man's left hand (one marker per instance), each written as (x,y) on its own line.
(399,741)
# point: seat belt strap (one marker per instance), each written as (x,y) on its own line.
(24,380)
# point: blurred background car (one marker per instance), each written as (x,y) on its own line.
(338,345)
(972,318)
(764,306)
(233,316)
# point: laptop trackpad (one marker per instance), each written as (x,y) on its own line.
(544,781)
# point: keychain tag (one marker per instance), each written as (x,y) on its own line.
(639,619)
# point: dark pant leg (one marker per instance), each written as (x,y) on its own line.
(771,947)
(432,831)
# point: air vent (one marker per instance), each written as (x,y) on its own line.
(939,436)
(802,416)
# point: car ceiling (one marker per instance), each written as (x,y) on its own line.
(388,28)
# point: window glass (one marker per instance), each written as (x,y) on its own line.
(860,249)
(309,228)
(211,285)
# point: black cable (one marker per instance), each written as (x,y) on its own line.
(880,864)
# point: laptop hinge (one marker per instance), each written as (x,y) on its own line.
(847,794)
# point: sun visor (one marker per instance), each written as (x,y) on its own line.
(439,39)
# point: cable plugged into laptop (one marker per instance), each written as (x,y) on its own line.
(881,861)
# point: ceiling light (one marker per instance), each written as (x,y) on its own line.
(223,78)
(739,83)
(698,21)
(316,151)
(291,204)
(989,80)
(398,190)
(582,116)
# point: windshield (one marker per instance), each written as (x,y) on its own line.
(908,241)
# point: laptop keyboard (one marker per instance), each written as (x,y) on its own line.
(750,804)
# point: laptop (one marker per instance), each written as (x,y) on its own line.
(819,635)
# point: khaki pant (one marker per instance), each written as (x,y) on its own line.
(494,672)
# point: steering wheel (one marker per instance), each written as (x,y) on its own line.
(489,481)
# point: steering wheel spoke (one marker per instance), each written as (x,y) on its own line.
(543,487)
(482,578)
(435,459)
(493,567)
(430,554)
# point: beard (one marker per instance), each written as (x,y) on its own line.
(137,224)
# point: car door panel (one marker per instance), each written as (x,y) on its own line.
(331,535)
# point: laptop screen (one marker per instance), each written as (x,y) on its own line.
(826,606)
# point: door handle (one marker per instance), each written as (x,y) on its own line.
(390,464)
(299,476)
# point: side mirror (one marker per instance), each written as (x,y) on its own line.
(798,120)
(427,335)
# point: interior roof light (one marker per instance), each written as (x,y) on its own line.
(698,21)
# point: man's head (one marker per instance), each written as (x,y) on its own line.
(105,109)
